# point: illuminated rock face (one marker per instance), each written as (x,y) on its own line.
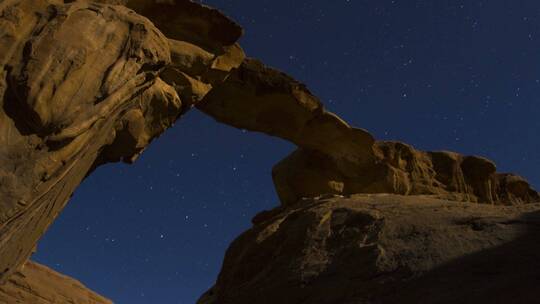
(335,158)
(399,168)
(37,284)
(83,83)
(77,79)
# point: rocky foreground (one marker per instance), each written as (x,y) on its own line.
(384,248)
(84,83)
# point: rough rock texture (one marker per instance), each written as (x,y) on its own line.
(81,84)
(401,169)
(74,77)
(192,22)
(384,249)
(335,158)
(37,284)
(259,98)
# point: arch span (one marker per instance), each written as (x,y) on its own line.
(86,83)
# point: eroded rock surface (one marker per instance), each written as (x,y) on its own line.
(335,158)
(75,75)
(384,249)
(85,83)
(399,168)
(258,98)
(37,284)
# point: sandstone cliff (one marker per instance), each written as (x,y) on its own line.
(83,83)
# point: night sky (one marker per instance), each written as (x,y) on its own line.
(452,75)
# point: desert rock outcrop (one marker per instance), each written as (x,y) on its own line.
(384,249)
(335,158)
(83,83)
(399,168)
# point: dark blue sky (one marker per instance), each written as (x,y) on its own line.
(453,75)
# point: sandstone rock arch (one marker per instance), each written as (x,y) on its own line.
(84,83)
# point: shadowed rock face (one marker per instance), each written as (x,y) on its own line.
(384,249)
(191,22)
(259,98)
(83,83)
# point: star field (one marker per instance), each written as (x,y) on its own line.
(452,75)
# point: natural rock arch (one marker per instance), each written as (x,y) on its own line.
(86,83)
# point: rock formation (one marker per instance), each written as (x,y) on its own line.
(384,249)
(83,83)
(335,158)
(399,168)
(37,284)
